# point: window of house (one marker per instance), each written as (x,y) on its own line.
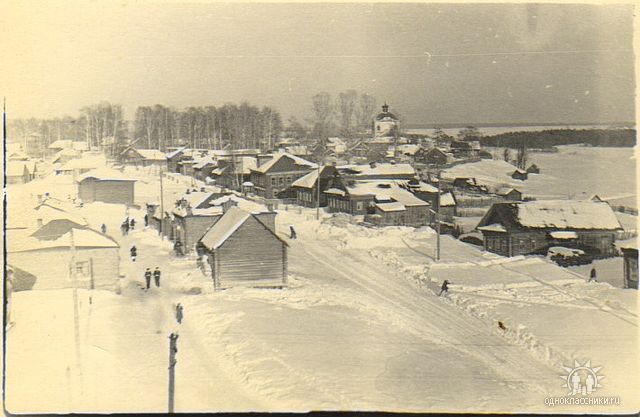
(82,268)
(288,179)
(360,205)
(281,180)
(273,181)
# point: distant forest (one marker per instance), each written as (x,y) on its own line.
(553,137)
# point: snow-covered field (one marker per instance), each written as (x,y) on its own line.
(360,327)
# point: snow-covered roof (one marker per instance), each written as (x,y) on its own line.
(80,145)
(224,228)
(86,162)
(386,191)
(61,144)
(152,154)
(105,174)
(505,191)
(447,200)
(486,171)
(296,160)
(203,162)
(420,186)
(495,227)
(82,238)
(245,204)
(389,207)
(379,169)
(567,214)
(564,235)
(335,191)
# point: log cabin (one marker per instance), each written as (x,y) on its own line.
(273,179)
(242,250)
(521,228)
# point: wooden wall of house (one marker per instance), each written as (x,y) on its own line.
(116,192)
(250,256)
(193,228)
(101,267)
(630,268)
(527,242)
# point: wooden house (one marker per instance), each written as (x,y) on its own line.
(359,149)
(242,250)
(94,260)
(377,171)
(510,194)
(519,174)
(448,206)
(143,157)
(433,156)
(231,173)
(203,168)
(306,187)
(106,185)
(386,203)
(273,179)
(630,265)
(533,169)
(521,228)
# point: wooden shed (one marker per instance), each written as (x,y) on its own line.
(108,186)
(242,250)
(630,253)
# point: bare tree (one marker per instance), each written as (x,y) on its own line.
(365,112)
(346,108)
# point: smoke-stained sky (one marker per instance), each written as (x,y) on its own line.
(433,63)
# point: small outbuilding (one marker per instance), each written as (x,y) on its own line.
(106,185)
(630,253)
(533,169)
(242,250)
(519,174)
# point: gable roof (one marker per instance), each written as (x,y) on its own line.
(82,238)
(226,227)
(554,214)
(264,168)
(105,174)
(61,144)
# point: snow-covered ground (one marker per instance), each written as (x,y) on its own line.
(359,328)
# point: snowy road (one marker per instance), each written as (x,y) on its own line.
(494,368)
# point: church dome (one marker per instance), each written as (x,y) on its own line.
(385,113)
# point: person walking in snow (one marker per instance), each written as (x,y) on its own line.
(179,314)
(125,227)
(156,276)
(146,220)
(147,277)
(103,228)
(122,229)
(593,275)
(132,223)
(444,288)
(134,253)
(293,234)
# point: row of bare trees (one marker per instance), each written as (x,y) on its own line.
(99,125)
(347,115)
(238,126)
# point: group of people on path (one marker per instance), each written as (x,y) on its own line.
(127,224)
(147,273)
(156,277)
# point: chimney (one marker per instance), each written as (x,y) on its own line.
(228,204)
(40,223)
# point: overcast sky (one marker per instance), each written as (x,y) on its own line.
(432,63)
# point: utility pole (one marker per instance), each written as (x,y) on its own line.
(173,349)
(438,222)
(161,206)
(76,313)
(318,202)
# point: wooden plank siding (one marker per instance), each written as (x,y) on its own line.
(252,255)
